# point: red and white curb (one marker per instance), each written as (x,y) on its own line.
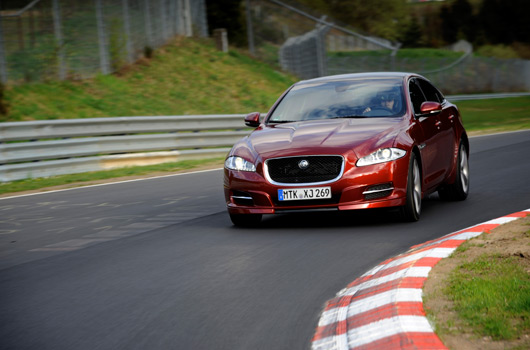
(383,309)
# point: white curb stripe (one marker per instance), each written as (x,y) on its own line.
(372,332)
(358,307)
(375,331)
(386,328)
(499,221)
(432,253)
(421,271)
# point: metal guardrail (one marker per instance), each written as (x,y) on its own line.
(56,147)
(487,96)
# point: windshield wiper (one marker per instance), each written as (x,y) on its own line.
(283,121)
(350,116)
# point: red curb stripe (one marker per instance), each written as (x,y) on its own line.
(426,262)
(362,319)
(441,239)
(520,214)
(422,262)
(406,341)
(427,340)
(485,227)
(407,282)
(445,244)
(440,243)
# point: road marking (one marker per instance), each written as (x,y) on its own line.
(110,183)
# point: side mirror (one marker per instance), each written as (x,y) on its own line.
(430,107)
(252,119)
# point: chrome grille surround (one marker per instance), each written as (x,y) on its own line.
(322,169)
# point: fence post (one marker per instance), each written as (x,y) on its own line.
(321,49)
(3,66)
(250,33)
(102,39)
(57,28)
(148,30)
(187,18)
(203,20)
(163,23)
(526,74)
(127,30)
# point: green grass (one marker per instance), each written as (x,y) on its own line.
(186,77)
(492,295)
(79,179)
(496,114)
(402,53)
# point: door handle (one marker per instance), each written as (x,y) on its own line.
(438,123)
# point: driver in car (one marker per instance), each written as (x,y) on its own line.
(387,101)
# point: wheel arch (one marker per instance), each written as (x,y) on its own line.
(465,140)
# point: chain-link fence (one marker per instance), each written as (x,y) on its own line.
(59,39)
(300,39)
(471,74)
(311,45)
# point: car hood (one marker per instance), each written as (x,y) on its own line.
(339,136)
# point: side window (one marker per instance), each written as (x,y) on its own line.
(431,93)
(416,96)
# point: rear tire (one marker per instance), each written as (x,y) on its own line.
(412,209)
(245,220)
(459,190)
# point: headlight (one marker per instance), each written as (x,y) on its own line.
(381,156)
(240,164)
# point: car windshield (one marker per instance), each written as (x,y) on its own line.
(340,99)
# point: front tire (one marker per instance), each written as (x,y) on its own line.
(412,209)
(459,190)
(245,220)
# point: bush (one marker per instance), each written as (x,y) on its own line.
(497,51)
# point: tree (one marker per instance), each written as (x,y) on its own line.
(378,17)
(458,21)
(506,21)
(228,14)
(413,34)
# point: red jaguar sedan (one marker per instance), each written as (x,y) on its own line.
(347,142)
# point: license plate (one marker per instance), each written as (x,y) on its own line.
(294,194)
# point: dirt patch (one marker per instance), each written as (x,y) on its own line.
(510,240)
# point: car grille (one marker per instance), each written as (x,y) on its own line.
(319,169)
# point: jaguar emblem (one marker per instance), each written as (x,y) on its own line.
(303,164)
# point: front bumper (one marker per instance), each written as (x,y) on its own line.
(374,186)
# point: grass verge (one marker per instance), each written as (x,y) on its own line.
(495,115)
(83,179)
(185,77)
(479,297)
(492,295)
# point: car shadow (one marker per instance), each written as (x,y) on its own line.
(349,218)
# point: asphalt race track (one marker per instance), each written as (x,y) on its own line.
(156,264)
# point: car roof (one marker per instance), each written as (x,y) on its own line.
(354,76)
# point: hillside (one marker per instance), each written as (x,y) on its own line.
(187,76)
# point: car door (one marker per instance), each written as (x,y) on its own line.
(429,145)
(445,138)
